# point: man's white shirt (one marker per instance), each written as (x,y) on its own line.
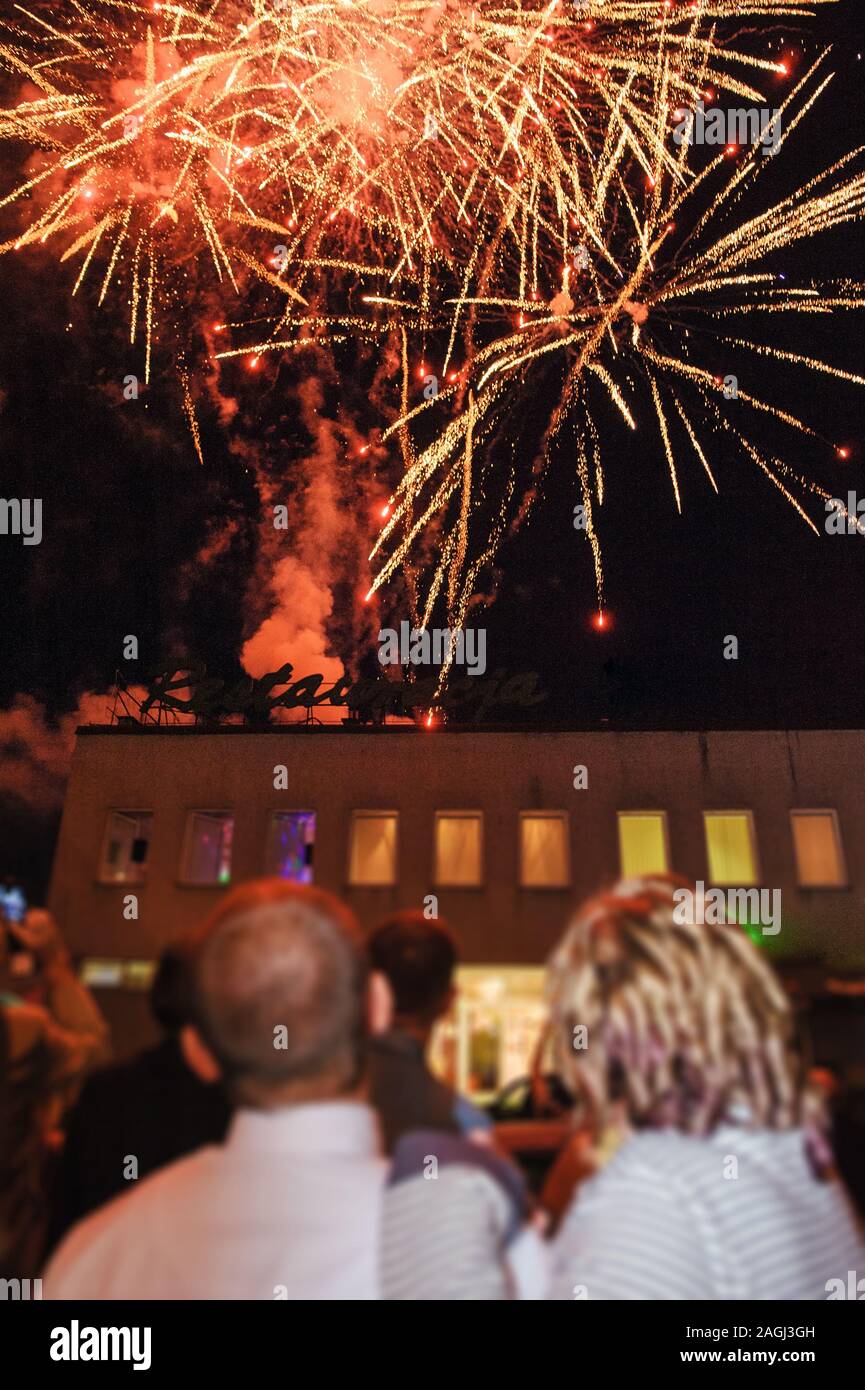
(288,1207)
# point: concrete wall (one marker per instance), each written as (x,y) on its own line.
(417,772)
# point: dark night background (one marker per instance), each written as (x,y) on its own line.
(127,507)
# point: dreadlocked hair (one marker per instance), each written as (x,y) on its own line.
(684,1024)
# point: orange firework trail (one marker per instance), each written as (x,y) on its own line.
(495,179)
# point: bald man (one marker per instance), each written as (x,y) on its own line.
(289,1206)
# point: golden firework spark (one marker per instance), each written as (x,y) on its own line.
(681,274)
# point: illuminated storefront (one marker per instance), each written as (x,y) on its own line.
(491,1034)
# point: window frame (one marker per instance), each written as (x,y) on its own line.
(365,812)
(272,815)
(844,885)
(565,819)
(101,878)
(182,880)
(755,847)
(665,826)
(459,813)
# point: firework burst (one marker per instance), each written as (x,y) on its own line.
(164,131)
(683,276)
(494,184)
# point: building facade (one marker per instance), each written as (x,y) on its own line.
(498,831)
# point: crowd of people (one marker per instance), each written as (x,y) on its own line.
(287,1138)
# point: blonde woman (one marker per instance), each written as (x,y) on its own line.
(714,1179)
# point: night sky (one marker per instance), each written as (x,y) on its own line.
(140,538)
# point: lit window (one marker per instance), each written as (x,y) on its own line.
(372,858)
(458,849)
(207,853)
(97,972)
(544,858)
(819,857)
(643,843)
(731,847)
(125,847)
(290,845)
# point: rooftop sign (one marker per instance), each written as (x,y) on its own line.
(191,691)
